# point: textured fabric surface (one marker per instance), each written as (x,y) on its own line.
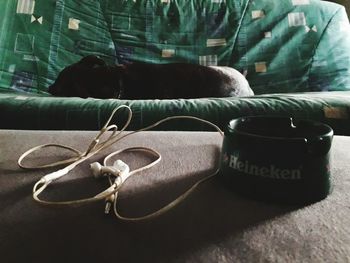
(43,112)
(212,225)
(345,3)
(292,46)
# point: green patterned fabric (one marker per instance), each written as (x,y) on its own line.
(38,112)
(282,46)
(286,48)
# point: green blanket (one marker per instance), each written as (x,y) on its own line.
(285,48)
(282,46)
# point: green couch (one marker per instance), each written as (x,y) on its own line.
(295,54)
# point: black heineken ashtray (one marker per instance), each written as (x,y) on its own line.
(277,159)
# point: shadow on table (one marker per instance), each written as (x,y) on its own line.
(208,217)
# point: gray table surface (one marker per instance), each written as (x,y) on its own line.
(212,225)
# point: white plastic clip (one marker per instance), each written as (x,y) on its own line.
(54,176)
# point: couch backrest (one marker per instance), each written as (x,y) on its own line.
(278,44)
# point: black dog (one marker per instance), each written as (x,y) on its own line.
(91,77)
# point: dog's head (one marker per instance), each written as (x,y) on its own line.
(90,77)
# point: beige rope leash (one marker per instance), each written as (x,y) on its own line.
(117,174)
